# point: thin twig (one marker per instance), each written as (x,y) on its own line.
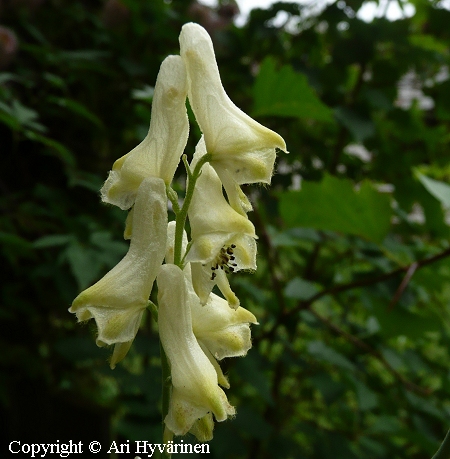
(366,282)
(401,288)
(307,305)
(368,349)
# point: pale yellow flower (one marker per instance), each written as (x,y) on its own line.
(243,151)
(223,240)
(159,153)
(196,390)
(118,300)
(223,331)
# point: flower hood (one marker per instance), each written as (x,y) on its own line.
(195,381)
(159,153)
(118,300)
(243,151)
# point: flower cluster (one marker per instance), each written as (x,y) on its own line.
(197,327)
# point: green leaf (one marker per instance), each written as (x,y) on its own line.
(86,180)
(399,321)
(385,424)
(286,93)
(360,127)
(373,449)
(330,389)
(85,55)
(55,80)
(111,251)
(5,77)
(367,399)
(426,406)
(440,190)
(52,240)
(55,147)
(335,205)
(77,108)
(26,116)
(14,246)
(321,351)
(428,42)
(300,289)
(13,240)
(8,119)
(251,370)
(22,116)
(84,264)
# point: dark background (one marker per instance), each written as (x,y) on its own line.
(350,359)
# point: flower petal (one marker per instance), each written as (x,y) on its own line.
(159,153)
(117,301)
(203,428)
(195,381)
(223,331)
(240,146)
(213,221)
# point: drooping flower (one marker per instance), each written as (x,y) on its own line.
(118,300)
(223,331)
(195,391)
(223,240)
(159,153)
(243,151)
(220,331)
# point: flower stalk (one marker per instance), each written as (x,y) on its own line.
(444,450)
(183,212)
(167,434)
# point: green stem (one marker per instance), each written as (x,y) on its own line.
(167,436)
(172,195)
(182,214)
(166,389)
(444,450)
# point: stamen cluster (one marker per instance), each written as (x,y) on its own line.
(224,260)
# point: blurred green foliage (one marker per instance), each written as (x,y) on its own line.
(351,357)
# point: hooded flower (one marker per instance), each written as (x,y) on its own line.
(159,153)
(195,390)
(220,331)
(223,240)
(117,301)
(243,151)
